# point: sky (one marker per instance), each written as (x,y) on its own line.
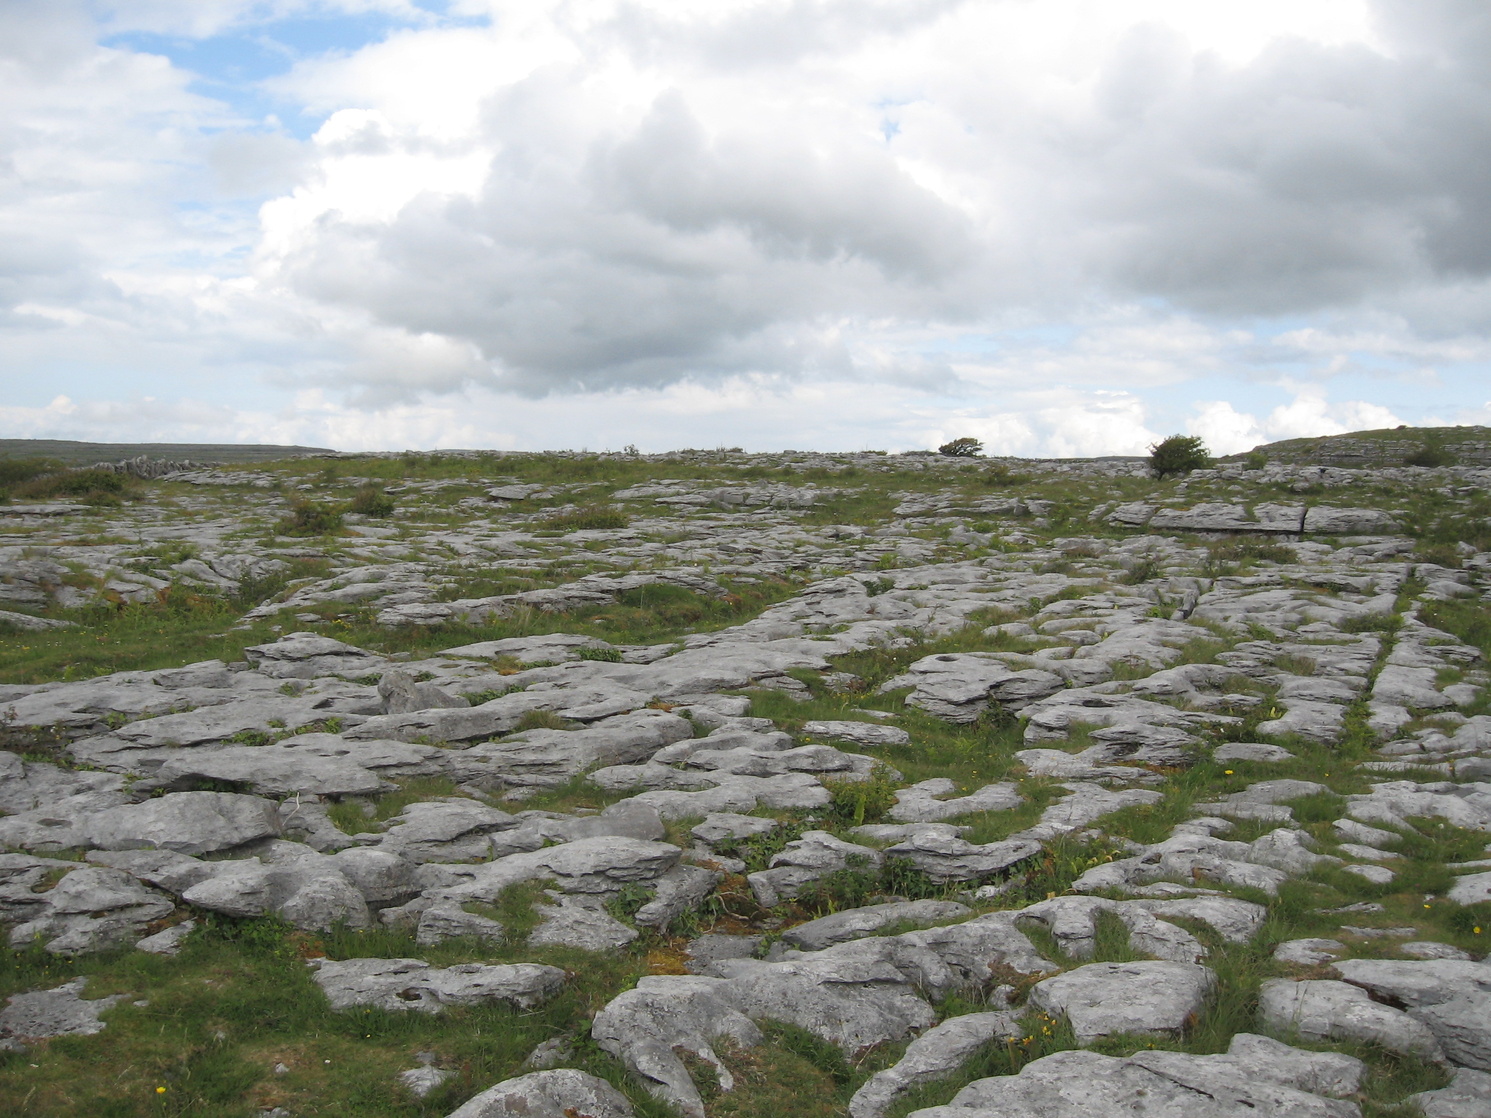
(1064,227)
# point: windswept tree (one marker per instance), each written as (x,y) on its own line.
(1179,454)
(962,448)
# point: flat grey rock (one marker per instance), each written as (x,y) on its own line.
(409,984)
(646,1027)
(60,1011)
(938,1052)
(1143,997)
(1079,1084)
(572,922)
(1257,752)
(1309,952)
(1451,997)
(861,733)
(560,1093)
(1331,1010)
(854,923)
(1467,1096)
(185,822)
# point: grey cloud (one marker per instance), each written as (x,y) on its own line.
(774,34)
(645,258)
(1312,177)
(251,164)
(1315,176)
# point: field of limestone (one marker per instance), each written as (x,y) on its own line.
(765,786)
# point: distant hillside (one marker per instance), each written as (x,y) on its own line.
(1444,446)
(85,454)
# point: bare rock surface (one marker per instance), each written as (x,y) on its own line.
(410,984)
(929,734)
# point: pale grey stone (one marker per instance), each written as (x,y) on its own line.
(580,922)
(90,909)
(560,1093)
(185,822)
(402,694)
(721,825)
(1467,1096)
(946,858)
(1473,888)
(1143,997)
(861,733)
(805,860)
(918,803)
(60,1011)
(169,941)
(1451,997)
(1427,949)
(1251,751)
(855,923)
(307,655)
(404,984)
(1329,1010)
(856,994)
(1309,952)
(269,770)
(421,1081)
(938,1052)
(1079,1084)
(646,1026)
(678,890)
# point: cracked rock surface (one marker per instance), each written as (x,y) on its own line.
(915,764)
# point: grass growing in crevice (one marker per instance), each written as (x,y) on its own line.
(350,815)
(241,999)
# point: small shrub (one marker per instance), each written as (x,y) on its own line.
(1255,460)
(1179,454)
(1429,453)
(306,518)
(862,801)
(605,655)
(91,486)
(541,720)
(372,500)
(962,448)
(592,518)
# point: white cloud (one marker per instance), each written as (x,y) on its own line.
(1224,429)
(1050,225)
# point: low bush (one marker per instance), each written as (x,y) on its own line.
(592,518)
(307,518)
(1179,454)
(961,448)
(372,500)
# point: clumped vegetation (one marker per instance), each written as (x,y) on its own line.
(310,518)
(965,447)
(40,479)
(1179,454)
(372,500)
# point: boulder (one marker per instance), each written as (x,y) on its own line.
(938,1052)
(186,822)
(405,984)
(560,1093)
(1158,998)
(646,1027)
(1079,1084)
(1329,1010)
(60,1011)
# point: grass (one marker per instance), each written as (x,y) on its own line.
(240,999)
(351,817)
